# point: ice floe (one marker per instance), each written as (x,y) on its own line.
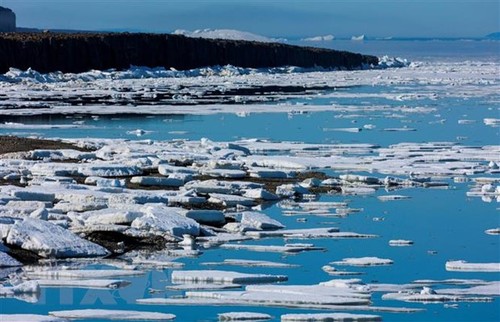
(213,276)
(463,266)
(49,240)
(82,274)
(30,317)
(364,261)
(251,263)
(243,316)
(122,315)
(309,317)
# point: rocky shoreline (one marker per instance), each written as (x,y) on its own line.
(80,52)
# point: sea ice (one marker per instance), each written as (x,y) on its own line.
(260,221)
(166,219)
(122,315)
(363,261)
(210,276)
(29,317)
(243,316)
(49,240)
(8,261)
(251,263)
(330,317)
(463,266)
(82,274)
(86,283)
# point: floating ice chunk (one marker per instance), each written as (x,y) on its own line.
(260,193)
(243,316)
(393,197)
(290,295)
(82,274)
(400,242)
(357,190)
(108,170)
(110,216)
(157,181)
(343,129)
(87,284)
(429,298)
(333,271)
(122,315)
(49,240)
(33,195)
(363,261)
(295,233)
(224,277)
(466,121)
(29,317)
(230,200)
(493,231)
(167,169)
(221,238)
(489,289)
(225,173)
(219,186)
(202,286)
(288,248)
(358,178)
(291,190)
(8,261)
(29,287)
(267,173)
(208,217)
(330,317)
(491,122)
(251,263)
(166,219)
(463,266)
(260,221)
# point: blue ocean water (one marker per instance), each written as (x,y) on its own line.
(444,223)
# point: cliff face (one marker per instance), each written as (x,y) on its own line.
(47,52)
(7,20)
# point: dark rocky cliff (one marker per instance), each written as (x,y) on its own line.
(7,20)
(47,52)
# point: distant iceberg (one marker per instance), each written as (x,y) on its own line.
(358,38)
(225,34)
(319,38)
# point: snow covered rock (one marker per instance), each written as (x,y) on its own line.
(49,240)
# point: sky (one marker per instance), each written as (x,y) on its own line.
(275,18)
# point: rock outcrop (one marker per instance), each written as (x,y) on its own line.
(80,52)
(7,20)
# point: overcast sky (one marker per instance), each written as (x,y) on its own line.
(397,18)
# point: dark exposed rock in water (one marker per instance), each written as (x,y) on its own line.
(46,52)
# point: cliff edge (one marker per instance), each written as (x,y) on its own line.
(80,52)
(7,20)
